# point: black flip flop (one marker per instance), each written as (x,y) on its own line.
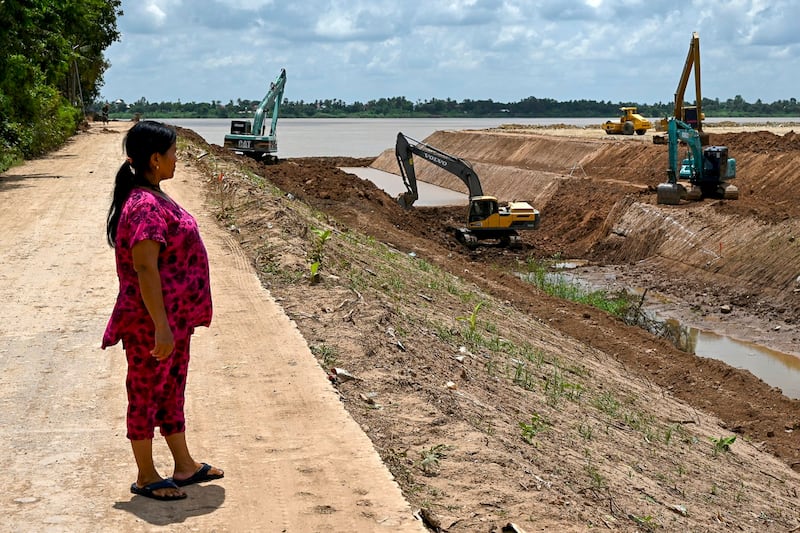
(148,490)
(198,477)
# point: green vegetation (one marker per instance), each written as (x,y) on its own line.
(556,388)
(400,107)
(472,321)
(326,354)
(723,444)
(52,64)
(646,522)
(537,425)
(539,273)
(317,252)
(429,462)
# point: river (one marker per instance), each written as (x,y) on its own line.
(354,137)
(370,137)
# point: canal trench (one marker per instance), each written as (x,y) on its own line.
(774,367)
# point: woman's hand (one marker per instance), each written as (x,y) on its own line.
(165,344)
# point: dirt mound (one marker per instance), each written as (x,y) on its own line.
(597,199)
(757,141)
(601,208)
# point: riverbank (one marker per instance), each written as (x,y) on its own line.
(487,398)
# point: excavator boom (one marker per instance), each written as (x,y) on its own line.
(692,63)
(271,100)
(404,151)
(691,114)
(486,218)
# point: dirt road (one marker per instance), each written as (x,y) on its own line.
(258,404)
(489,400)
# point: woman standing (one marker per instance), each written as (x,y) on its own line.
(164,293)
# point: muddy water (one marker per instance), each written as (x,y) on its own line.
(357,137)
(429,195)
(368,137)
(775,368)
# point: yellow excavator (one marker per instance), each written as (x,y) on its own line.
(486,219)
(692,114)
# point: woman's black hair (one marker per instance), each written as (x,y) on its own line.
(143,140)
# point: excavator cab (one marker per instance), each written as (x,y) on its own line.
(482,208)
(708,169)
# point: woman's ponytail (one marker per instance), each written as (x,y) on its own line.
(143,140)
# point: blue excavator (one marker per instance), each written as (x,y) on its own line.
(707,169)
(251,139)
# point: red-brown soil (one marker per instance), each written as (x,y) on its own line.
(597,198)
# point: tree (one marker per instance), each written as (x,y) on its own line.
(52,60)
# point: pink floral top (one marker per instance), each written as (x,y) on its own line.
(182,263)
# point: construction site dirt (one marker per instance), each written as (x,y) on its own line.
(475,439)
(494,405)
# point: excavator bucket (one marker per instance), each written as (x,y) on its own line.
(406,200)
(670,193)
(730,192)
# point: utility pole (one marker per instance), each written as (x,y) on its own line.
(78,81)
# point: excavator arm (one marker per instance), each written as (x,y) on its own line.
(680,132)
(692,61)
(692,114)
(406,148)
(486,219)
(272,100)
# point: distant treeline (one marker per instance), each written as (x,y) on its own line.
(400,107)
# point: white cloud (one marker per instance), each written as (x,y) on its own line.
(339,25)
(156,13)
(626,50)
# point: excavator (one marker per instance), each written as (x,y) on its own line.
(708,169)
(249,138)
(486,219)
(692,115)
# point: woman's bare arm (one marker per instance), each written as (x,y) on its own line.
(145,262)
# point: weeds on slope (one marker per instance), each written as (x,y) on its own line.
(474,394)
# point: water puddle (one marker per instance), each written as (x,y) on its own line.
(569,265)
(429,195)
(775,368)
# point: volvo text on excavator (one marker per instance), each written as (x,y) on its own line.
(708,169)
(249,138)
(487,219)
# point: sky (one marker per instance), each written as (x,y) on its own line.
(503,50)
